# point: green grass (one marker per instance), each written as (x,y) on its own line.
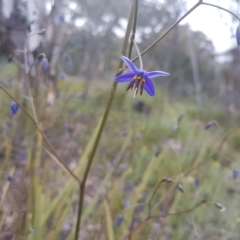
(125,167)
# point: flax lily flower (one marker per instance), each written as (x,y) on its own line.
(139,77)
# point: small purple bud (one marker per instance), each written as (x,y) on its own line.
(235,173)
(238,35)
(45,64)
(119,220)
(14,108)
(9,178)
(61,17)
(63,75)
(209,125)
(197,182)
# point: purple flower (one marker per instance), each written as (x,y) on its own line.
(14,108)
(119,220)
(197,182)
(45,64)
(61,17)
(139,77)
(235,173)
(238,35)
(209,125)
(9,178)
(63,75)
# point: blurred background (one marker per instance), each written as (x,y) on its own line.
(152,138)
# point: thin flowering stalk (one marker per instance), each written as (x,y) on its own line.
(139,54)
(222,8)
(112,94)
(161,181)
(27,71)
(174,186)
(218,150)
(200,2)
(133,28)
(145,221)
(104,119)
(169,29)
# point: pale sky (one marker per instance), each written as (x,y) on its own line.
(214,23)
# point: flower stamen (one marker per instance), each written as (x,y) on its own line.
(139,82)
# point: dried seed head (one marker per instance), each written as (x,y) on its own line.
(205,198)
(180,188)
(220,206)
(167,180)
(41,56)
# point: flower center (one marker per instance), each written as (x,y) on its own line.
(138,81)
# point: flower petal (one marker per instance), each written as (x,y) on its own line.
(149,87)
(129,63)
(126,77)
(146,88)
(157,74)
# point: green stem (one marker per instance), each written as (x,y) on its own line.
(224,9)
(142,223)
(139,54)
(104,119)
(134,29)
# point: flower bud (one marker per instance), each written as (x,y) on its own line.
(197,182)
(45,64)
(180,188)
(14,108)
(209,125)
(63,75)
(119,220)
(238,35)
(235,173)
(220,206)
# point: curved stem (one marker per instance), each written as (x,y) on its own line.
(169,29)
(139,54)
(104,120)
(224,9)
(142,223)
